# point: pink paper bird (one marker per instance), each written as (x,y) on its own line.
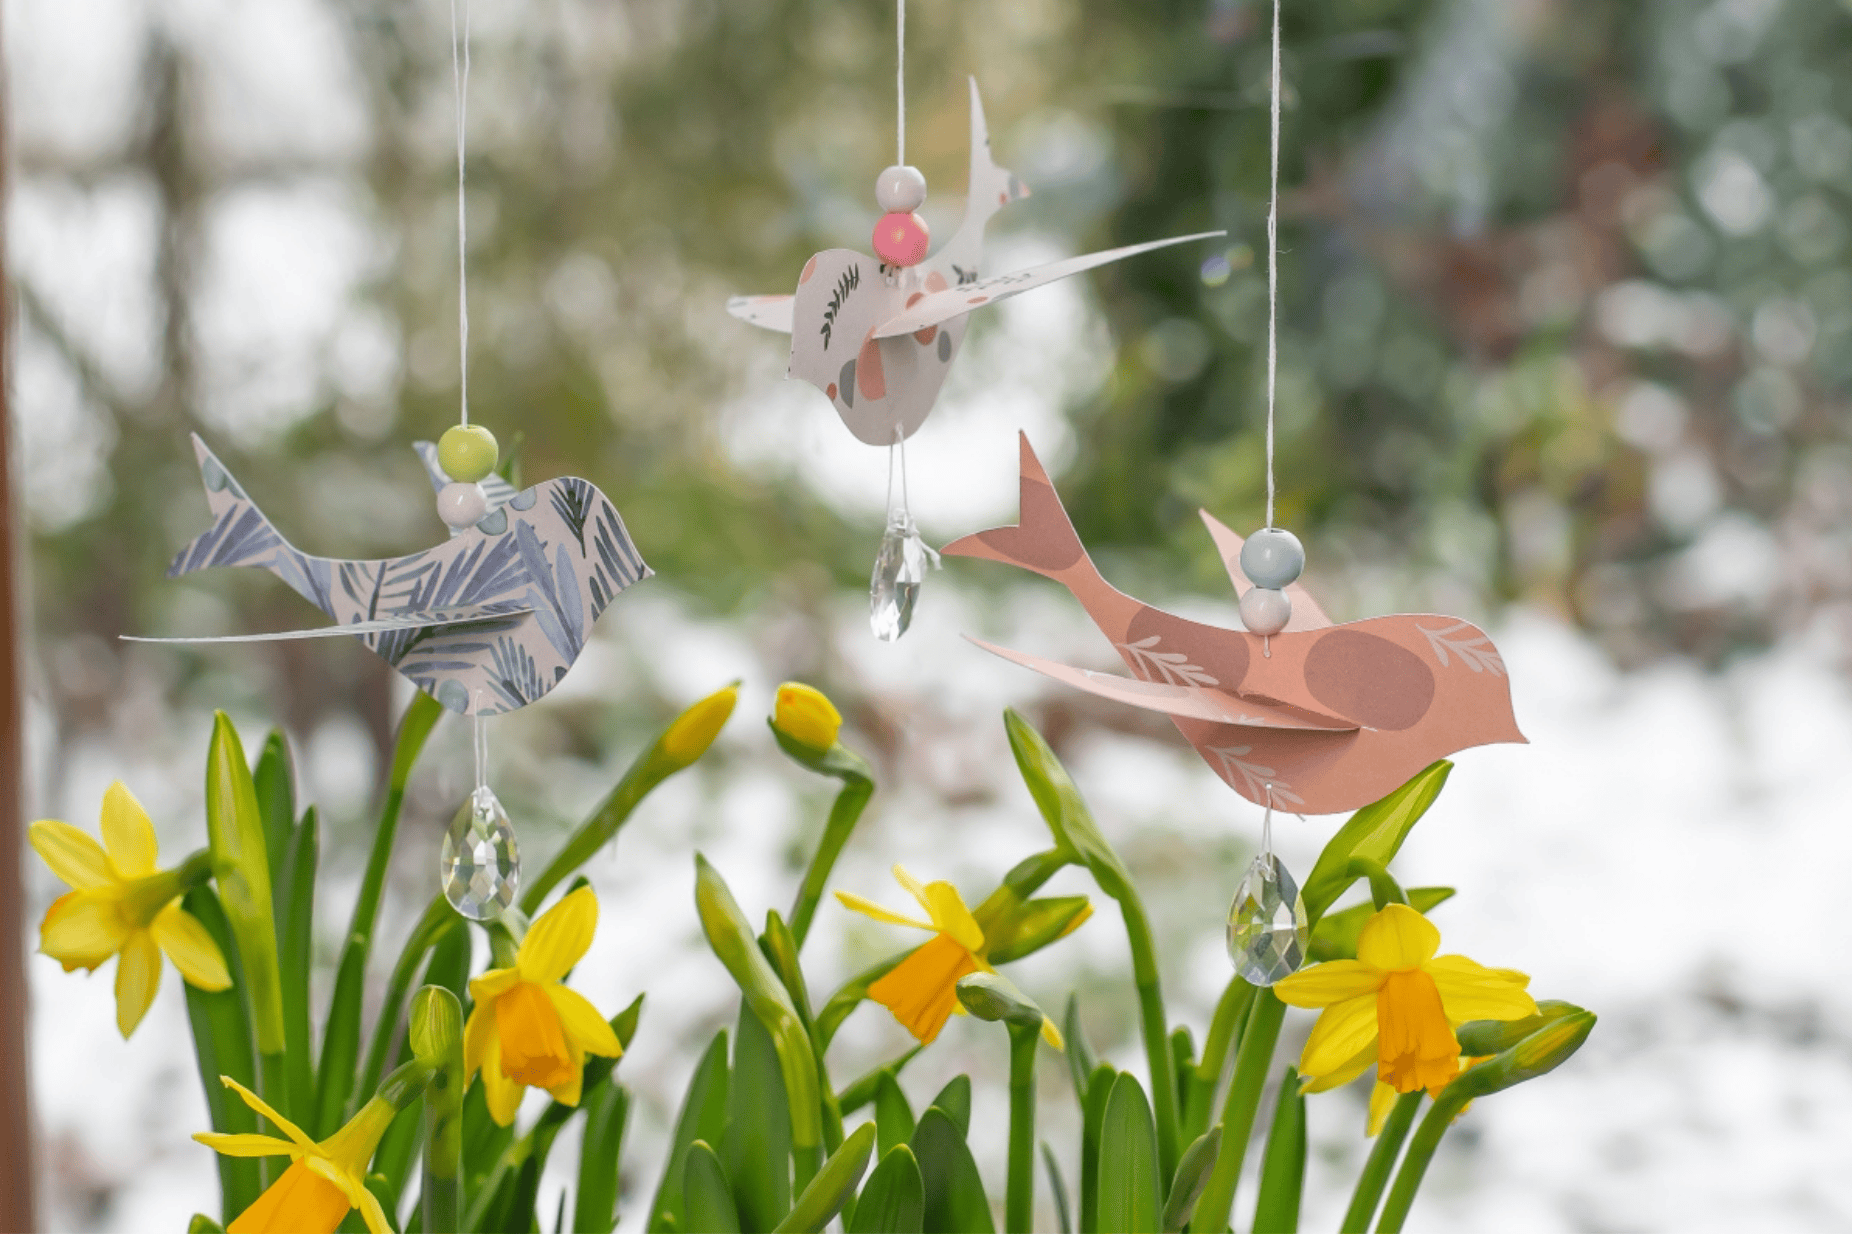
(1322,718)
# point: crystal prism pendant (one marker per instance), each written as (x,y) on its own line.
(480,865)
(900,568)
(1267,927)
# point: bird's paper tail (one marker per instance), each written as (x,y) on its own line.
(240,535)
(1043,540)
(990,189)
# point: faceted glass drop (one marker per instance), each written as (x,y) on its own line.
(900,568)
(481,867)
(1267,927)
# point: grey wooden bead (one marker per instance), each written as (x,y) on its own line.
(1272,557)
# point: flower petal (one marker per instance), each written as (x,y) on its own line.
(245,1144)
(559,938)
(584,1027)
(478,1037)
(915,888)
(1416,1047)
(922,990)
(375,1215)
(82,929)
(868,908)
(1342,1030)
(569,1090)
(282,1124)
(1360,1062)
(138,976)
(72,855)
(128,836)
(191,948)
(502,1094)
(1397,938)
(1382,1100)
(1320,985)
(533,1041)
(300,1202)
(950,916)
(1471,991)
(493,984)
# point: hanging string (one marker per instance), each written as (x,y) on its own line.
(1273,259)
(1266,826)
(459,74)
(481,744)
(898,448)
(900,82)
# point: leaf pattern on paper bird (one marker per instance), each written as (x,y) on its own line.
(486,622)
(1332,717)
(879,342)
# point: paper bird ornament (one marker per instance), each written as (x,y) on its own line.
(1317,718)
(487,622)
(878,334)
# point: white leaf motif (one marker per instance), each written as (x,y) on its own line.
(1477,654)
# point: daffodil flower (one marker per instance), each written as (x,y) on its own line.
(121,905)
(323,1180)
(528,1030)
(1396,1005)
(922,990)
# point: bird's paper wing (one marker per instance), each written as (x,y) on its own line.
(767,312)
(1190,702)
(940,306)
(435,618)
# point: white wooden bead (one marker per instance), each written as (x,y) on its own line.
(462,505)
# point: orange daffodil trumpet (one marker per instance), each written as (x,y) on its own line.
(122,905)
(922,990)
(1396,1005)
(323,1180)
(528,1030)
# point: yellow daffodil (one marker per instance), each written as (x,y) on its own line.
(1396,1005)
(805,716)
(528,1030)
(121,905)
(922,990)
(323,1180)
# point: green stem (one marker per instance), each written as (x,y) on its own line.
(443,1145)
(1384,890)
(1156,1033)
(1420,1152)
(806,1160)
(1252,1062)
(1381,1160)
(1019,1201)
(645,772)
(844,814)
(1224,1027)
(438,920)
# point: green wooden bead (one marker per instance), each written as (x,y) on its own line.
(467,453)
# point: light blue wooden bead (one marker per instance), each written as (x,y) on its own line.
(1272,557)
(1265,610)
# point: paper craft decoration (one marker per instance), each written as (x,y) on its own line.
(486,622)
(878,339)
(1322,718)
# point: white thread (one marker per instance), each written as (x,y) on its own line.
(1273,259)
(459,75)
(1266,826)
(906,500)
(900,82)
(480,742)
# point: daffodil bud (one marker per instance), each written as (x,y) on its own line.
(804,716)
(435,1026)
(1479,1038)
(691,733)
(993,997)
(1034,925)
(1537,1054)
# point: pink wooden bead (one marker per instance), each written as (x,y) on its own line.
(901,239)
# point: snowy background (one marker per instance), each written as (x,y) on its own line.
(1669,851)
